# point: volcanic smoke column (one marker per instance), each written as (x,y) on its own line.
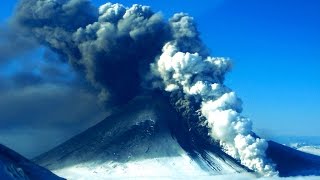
(201,76)
(113,47)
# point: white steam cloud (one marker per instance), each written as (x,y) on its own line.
(202,78)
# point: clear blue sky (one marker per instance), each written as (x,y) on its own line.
(275,47)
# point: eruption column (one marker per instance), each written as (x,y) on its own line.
(202,78)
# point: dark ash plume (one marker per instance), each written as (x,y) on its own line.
(113,45)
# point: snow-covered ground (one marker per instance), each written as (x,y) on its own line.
(139,171)
(176,167)
(172,167)
(13,166)
(310,149)
(73,174)
(308,144)
(163,167)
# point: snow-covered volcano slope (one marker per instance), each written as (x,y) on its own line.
(15,167)
(137,140)
(291,162)
(147,138)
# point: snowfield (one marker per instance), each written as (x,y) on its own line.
(310,149)
(173,167)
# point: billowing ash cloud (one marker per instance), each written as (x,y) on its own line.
(113,47)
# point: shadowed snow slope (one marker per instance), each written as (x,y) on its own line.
(14,166)
(291,162)
(137,140)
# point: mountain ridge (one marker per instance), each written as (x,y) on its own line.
(14,166)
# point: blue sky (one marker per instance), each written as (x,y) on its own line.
(275,48)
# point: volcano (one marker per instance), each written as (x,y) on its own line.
(173,115)
(146,138)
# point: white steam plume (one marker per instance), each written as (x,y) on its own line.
(202,77)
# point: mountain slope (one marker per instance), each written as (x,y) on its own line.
(147,138)
(137,140)
(291,162)
(14,166)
